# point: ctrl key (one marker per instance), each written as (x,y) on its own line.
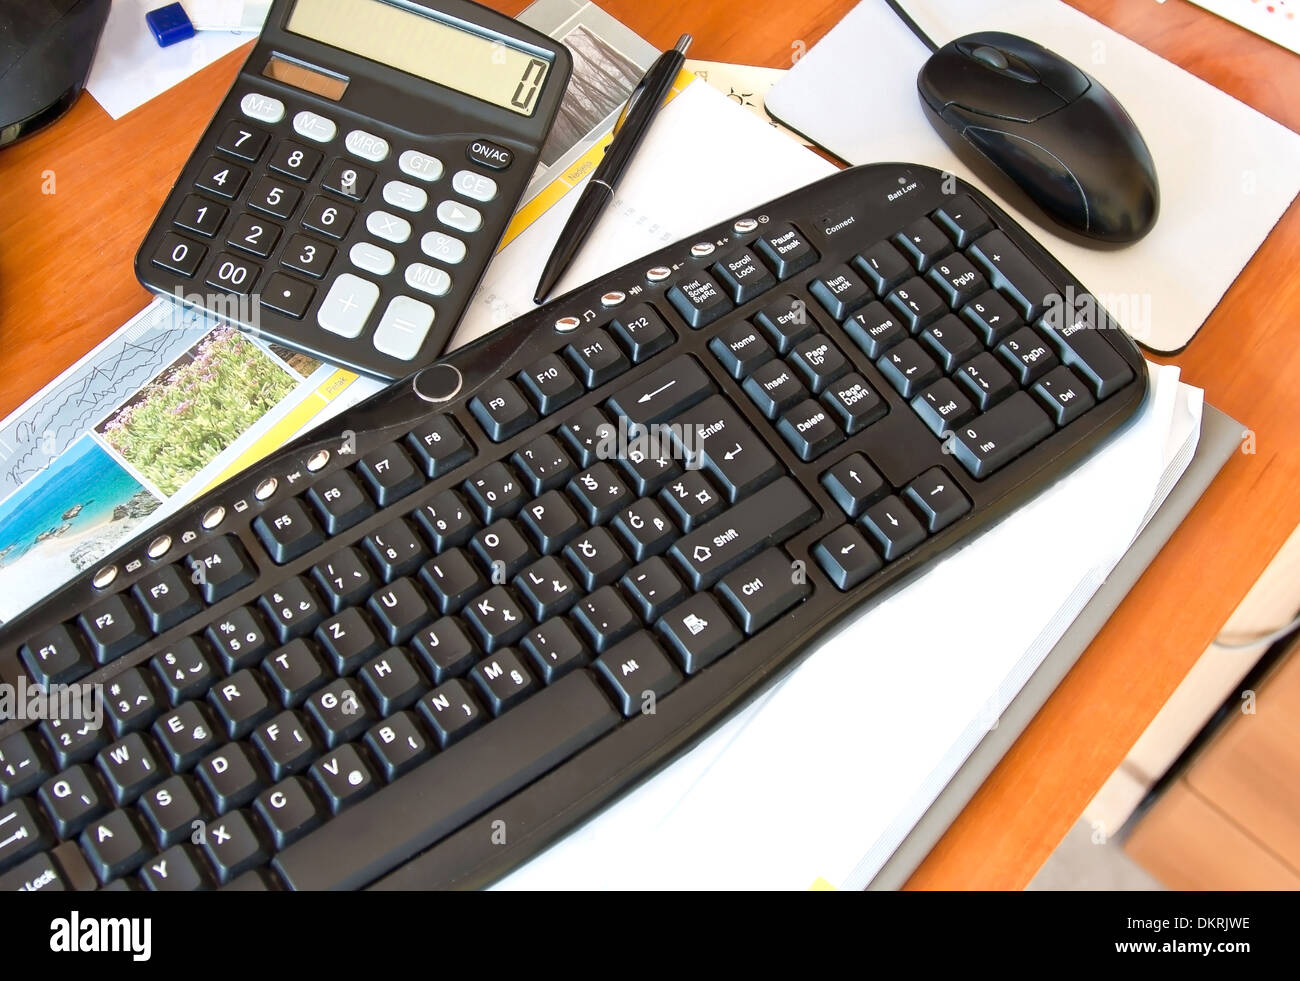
(635,669)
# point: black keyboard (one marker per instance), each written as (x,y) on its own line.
(516,582)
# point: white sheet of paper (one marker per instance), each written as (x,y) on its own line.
(130,68)
(827,772)
(1227,172)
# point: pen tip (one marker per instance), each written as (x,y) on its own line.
(683,43)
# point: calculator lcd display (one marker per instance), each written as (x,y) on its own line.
(415,42)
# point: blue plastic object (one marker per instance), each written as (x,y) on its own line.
(169,24)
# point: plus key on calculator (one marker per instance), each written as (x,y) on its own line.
(348,194)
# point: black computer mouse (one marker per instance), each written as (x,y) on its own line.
(1051,129)
(46,47)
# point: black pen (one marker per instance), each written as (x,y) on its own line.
(629,131)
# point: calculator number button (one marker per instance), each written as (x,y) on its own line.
(459,216)
(245,142)
(262,107)
(427,279)
(403,327)
(274,197)
(296,160)
(476,186)
(367,146)
(179,254)
(308,256)
(288,295)
(406,196)
(346,178)
(254,235)
(444,248)
(314,126)
(419,165)
(221,178)
(233,274)
(372,258)
(347,305)
(328,217)
(200,215)
(388,227)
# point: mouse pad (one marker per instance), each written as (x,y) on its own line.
(1227,172)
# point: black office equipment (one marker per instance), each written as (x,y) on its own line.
(350,191)
(458,602)
(46,48)
(631,130)
(1051,132)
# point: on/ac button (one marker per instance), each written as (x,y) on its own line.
(490,154)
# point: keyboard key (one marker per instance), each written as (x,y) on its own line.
(35,874)
(345,579)
(1027,356)
(502,411)
(1063,394)
(957,280)
(551,384)
(604,618)
(240,638)
(348,640)
(231,776)
(340,501)
(452,712)
(942,407)
(396,549)
(241,703)
(663,393)
(447,520)
(599,493)
(963,220)
(917,304)
(22,833)
(854,483)
(400,609)
(743,275)
(841,291)
(698,632)
(74,740)
(440,795)
(503,680)
(114,626)
(398,745)
(178,869)
(760,590)
(289,811)
(72,800)
(496,619)
(308,256)
(774,387)
(596,358)
(502,550)
(653,588)
(56,656)
(992,317)
(552,522)
(786,250)
(1083,346)
(714,433)
(295,672)
(597,558)
(923,243)
(810,430)
(452,579)
(167,597)
(951,342)
(115,846)
(638,673)
(786,322)
(132,701)
(908,368)
(186,735)
(854,403)
(769,517)
(645,529)
(340,712)
(874,329)
(445,650)
(554,650)
(883,267)
(991,441)
(184,670)
(440,445)
(292,609)
(171,808)
(894,529)
(288,531)
(691,500)
(648,469)
(584,434)
(546,588)
(985,381)
(846,558)
(1010,271)
(392,681)
(937,498)
(495,492)
(24,764)
(642,332)
(740,348)
(220,567)
(818,361)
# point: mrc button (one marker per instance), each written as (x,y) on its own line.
(490,154)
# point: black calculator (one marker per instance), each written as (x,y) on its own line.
(347,196)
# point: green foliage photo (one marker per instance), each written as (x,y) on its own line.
(198,407)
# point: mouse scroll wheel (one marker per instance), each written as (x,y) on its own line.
(990,56)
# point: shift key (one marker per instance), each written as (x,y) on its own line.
(714,433)
(769,517)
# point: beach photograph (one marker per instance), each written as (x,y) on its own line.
(64,520)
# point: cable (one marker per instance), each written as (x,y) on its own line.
(1255,642)
(911,25)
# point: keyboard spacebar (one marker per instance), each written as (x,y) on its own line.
(439,796)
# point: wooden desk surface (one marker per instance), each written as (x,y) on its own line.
(66,283)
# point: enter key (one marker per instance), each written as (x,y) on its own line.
(726,446)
